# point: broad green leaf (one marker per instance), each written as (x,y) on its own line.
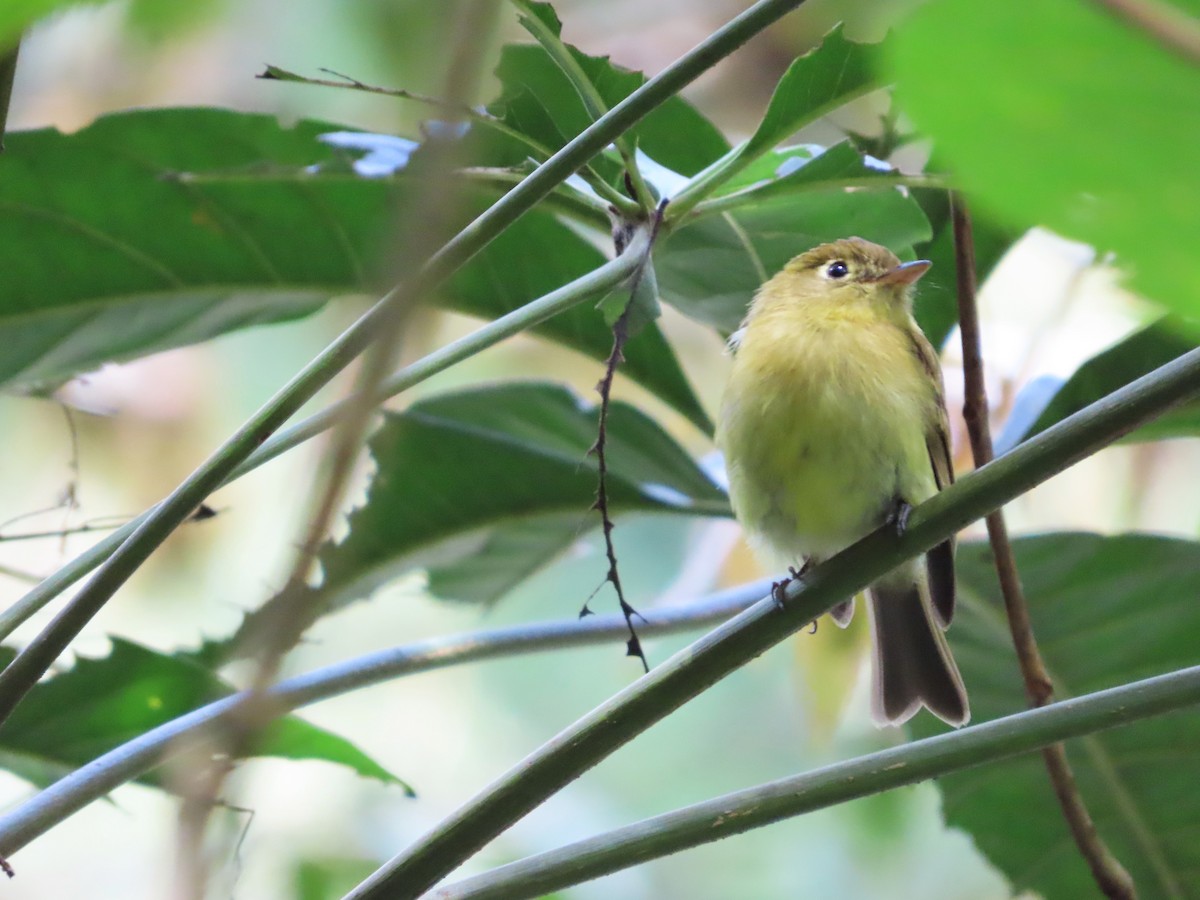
(539,100)
(109,252)
(485,486)
(823,79)
(817,83)
(71,718)
(157,228)
(1136,355)
(710,269)
(1106,611)
(1070,118)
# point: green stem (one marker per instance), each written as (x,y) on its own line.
(528,316)
(729,646)
(136,757)
(874,773)
(561,54)
(566,201)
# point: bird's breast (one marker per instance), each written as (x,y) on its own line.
(822,425)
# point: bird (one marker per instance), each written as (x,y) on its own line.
(833,423)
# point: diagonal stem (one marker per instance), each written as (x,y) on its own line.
(912,763)
(1110,875)
(136,757)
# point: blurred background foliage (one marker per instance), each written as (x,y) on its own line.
(1049,305)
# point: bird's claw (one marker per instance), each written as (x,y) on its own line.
(898,517)
(778,587)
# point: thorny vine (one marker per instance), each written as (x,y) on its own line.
(620,331)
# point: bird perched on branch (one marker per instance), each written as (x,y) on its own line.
(834,423)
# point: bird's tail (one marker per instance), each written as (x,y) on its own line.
(913,666)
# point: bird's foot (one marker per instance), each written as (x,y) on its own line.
(897,516)
(778,587)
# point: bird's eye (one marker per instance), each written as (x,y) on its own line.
(837,269)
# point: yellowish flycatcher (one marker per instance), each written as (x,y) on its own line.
(834,423)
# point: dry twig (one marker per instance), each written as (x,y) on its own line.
(1110,875)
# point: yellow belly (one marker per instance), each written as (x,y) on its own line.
(823,430)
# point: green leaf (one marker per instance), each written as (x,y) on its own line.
(1095,140)
(108,252)
(1106,611)
(710,269)
(817,83)
(1129,359)
(640,307)
(485,486)
(275,73)
(158,228)
(823,79)
(539,100)
(72,718)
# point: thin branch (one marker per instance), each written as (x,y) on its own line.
(700,665)
(620,332)
(37,657)
(586,209)
(8,73)
(1170,26)
(594,283)
(1110,875)
(975,414)
(138,756)
(479,116)
(85,528)
(911,763)
(202,513)
(349,82)
(19,574)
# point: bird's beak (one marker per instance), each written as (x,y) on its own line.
(905,273)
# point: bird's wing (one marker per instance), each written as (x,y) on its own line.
(940,560)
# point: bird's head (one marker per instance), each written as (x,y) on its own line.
(845,272)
